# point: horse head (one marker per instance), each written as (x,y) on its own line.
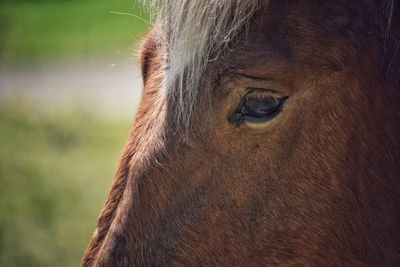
(267,135)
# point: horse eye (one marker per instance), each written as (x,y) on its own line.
(257,106)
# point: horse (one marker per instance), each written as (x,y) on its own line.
(267,135)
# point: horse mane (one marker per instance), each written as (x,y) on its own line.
(192,34)
(390,8)
(391,28)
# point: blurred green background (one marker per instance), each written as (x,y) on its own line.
(48,29)
(58,153)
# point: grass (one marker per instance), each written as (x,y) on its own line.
(47,29)
(55,172)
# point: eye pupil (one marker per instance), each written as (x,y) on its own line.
(258,105)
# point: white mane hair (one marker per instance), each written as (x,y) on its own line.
(193,33)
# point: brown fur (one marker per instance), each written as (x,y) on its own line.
(318,186)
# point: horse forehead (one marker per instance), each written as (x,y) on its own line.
(270,39)
(292,31)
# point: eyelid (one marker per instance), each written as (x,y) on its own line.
(262,93)
(235,80)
